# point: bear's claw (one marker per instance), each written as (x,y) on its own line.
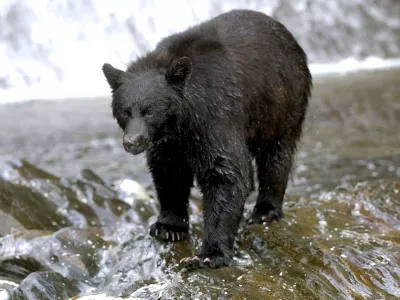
(167,232)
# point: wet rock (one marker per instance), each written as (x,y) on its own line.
(18,268)
(29,208)
(47,286)
(9,224)
(34,199)
(72,252)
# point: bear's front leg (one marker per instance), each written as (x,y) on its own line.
(173,178)
(225,187)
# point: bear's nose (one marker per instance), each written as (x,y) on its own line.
(135,144)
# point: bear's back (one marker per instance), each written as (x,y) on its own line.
(242,43)
(245,65)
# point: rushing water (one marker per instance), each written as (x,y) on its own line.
(75,224)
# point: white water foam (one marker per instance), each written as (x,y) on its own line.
(97,87)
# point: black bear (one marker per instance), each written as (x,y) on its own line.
(203,105)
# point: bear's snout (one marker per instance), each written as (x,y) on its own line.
(135,143)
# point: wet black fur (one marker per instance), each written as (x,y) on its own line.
(240,92)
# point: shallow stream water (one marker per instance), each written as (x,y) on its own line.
(75,209)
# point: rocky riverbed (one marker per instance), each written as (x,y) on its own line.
(75,209)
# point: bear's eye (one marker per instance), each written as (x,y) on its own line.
(127,113)
(147,112)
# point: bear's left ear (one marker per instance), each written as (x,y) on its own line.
(179,72)
(113,76)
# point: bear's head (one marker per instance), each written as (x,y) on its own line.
(146,102)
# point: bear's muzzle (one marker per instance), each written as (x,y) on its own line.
(135,144)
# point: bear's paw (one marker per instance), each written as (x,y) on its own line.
(169,231)
(201,262)
(260,217)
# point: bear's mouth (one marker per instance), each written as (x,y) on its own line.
(137,146)
(140,148)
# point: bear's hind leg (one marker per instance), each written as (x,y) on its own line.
(173,179)
(273,167)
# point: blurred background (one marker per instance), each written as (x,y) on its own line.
(75,208)
(55,49)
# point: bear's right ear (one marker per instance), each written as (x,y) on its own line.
(179,72)
(113,76)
